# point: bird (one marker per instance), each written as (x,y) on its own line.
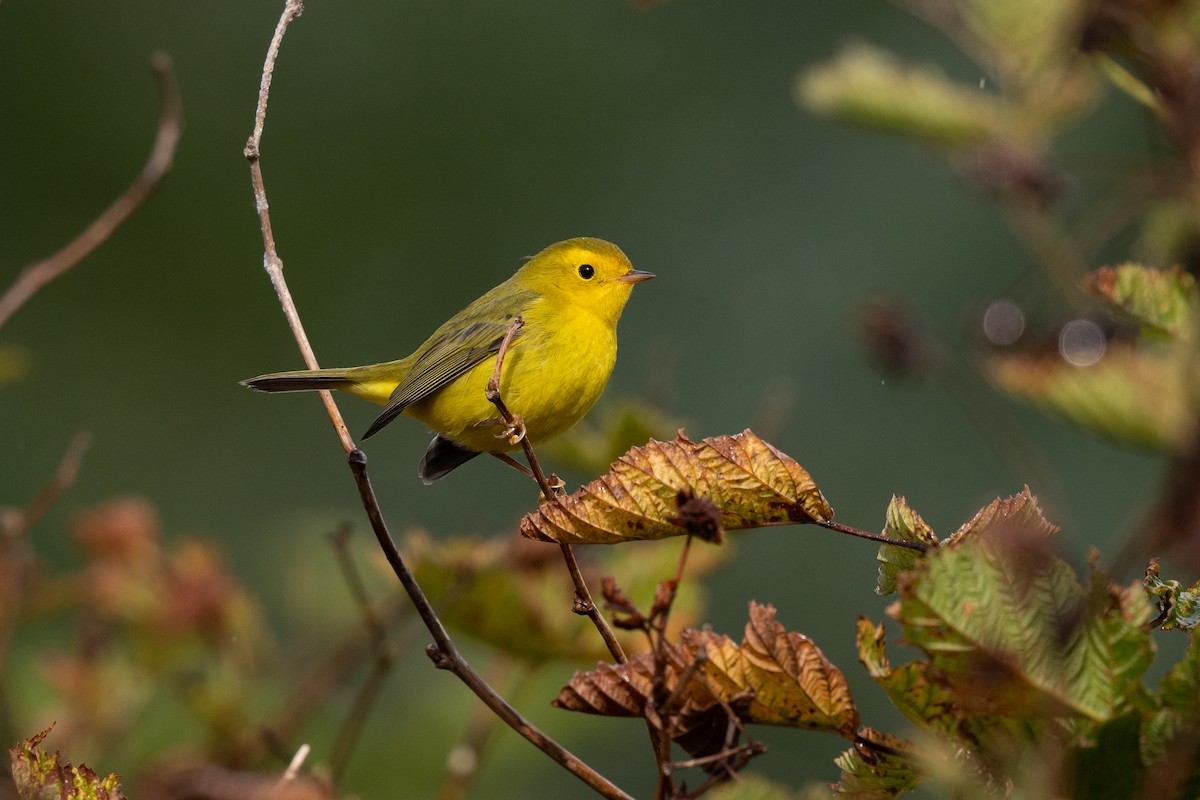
(568,299)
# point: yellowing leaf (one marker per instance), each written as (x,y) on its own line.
(902,522)
(1164,301)
(774,677)
(791,681)
(870,87)
(1135,395)
(925,701)
(750,483)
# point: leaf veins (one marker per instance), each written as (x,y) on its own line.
(748,482)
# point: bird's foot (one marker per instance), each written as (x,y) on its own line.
(513,432)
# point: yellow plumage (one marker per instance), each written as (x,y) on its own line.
(569,296)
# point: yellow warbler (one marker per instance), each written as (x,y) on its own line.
(569,296)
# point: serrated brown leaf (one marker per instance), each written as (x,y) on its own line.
(1019,514)
(748,481)
(792,682)
(774,677)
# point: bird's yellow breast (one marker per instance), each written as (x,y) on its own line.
(554,371)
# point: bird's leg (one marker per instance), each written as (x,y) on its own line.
(517,465)
(511,431)
(514,426)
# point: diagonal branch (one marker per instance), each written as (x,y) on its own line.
(170,124)
(443,651)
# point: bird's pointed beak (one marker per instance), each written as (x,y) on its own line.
(634,276)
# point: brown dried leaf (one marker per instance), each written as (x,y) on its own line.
(748,481)
(792,682)
(774,677)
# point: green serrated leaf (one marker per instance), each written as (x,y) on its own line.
(870,87)
(877,773)
(1011,630)
(1166,302)
(902,522)
(1180,607)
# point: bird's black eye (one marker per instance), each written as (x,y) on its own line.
(586,271)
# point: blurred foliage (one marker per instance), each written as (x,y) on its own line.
(1030,680)
(38,774)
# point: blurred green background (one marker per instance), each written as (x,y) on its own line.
(413,154)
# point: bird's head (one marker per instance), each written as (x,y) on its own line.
(585,272)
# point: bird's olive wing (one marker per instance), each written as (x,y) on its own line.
(450,352)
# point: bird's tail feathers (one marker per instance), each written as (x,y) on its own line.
(301,380)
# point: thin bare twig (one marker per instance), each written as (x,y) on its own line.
(875,537)
(516,428)
(272,263)
(170,124)
(443,651)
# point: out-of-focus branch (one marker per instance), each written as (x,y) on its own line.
(170,125)
(16,559)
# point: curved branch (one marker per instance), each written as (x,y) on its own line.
(170,125)
(443,651)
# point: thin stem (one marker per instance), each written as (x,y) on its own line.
(170,124)
(272,263)
(875,537)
